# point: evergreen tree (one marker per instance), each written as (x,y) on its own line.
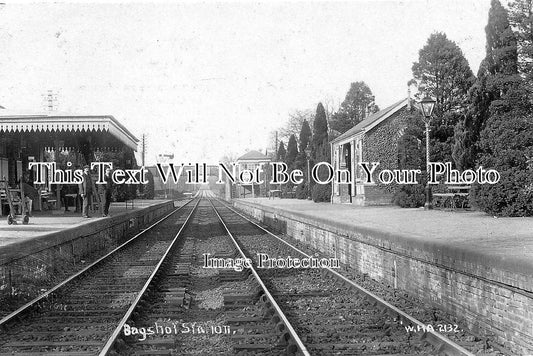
(281,152)
(521,18)
(498,87)
(501,60)
(444,73)
(506,139)
(305,136)
(150,186)
(305,141)
(320,130)
(354,107)
(292,152)
(507,144)
(467,131)
(340,121)
(320,152)
(411,155)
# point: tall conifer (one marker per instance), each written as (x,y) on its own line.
(443,72)
(506,140)
(320,152)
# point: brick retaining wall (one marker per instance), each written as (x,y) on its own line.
(457,284)
(37,263)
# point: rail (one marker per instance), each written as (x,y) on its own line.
(114,336)
(82,272)
(440,342)
(279,312)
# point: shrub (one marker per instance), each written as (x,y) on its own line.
(301,191)
(149,189)
(511,196)
(321,193)
(411,155)
(507,144)
(410,196)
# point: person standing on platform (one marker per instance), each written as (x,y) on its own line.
(107,190)
(63,196)
(86,191)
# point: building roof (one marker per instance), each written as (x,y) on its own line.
(253,156)
(52,121)
(372,120)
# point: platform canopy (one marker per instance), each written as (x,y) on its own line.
(54,122)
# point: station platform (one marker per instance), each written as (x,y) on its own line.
(497,242)
(475,266)
(53,227)
(46,222)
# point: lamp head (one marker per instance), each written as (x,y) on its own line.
(427,104)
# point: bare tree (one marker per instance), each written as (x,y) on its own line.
(229,158)
(330,106)
(294,124)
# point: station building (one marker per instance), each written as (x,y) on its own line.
(375,139)
(251,160)
(60,138)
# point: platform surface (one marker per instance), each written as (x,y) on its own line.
(477,236)
(47,222)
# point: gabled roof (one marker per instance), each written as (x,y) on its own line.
(253,156)
(373,120)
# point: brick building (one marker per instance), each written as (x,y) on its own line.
(375,139)
(251,161)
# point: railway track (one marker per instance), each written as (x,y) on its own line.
(185,287)
(335,316)
(193,310)
(78,316)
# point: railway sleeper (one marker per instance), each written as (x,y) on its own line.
(153,352)
(240,313)
(302,294)
(44,325)
(82,313)
(47,343)
(256,347)
(167,308)
(359,346)
(237,305)
(309,337)
(232,275)
(50,353)
(78,333)
(72,319)
(230,298)
(160,341)
(255,336)
(243,320)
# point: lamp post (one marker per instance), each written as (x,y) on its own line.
(308,155)
(427,104)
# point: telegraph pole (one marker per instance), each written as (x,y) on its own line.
(276,147)
(50,100)
(144,146)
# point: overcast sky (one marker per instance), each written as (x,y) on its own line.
(205,79)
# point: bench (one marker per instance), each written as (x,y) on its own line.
(457,196)
(48,200)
